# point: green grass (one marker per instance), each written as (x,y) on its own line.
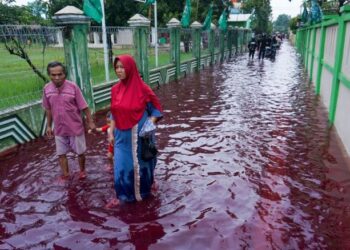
(19,84)
(164,58)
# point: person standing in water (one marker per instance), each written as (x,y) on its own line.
(133,104)
(63,103)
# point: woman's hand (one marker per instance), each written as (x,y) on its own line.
(154,119)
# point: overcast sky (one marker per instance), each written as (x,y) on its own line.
(278,7)
(285,7)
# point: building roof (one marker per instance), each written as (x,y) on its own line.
(238,17)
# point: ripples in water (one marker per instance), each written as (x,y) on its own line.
(247,162)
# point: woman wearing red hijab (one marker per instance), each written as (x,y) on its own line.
(132,103)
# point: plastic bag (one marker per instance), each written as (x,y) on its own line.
(148,128)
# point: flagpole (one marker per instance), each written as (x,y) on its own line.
(156,35)
(104,39)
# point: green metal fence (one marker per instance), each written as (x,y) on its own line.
(186,44)
(119,41)
(325,51)
(181,51)
(25,52)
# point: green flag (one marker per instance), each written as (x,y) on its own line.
(92,8)
(305,14)
(186,15)
(207,21)
(223,20)
(149,2)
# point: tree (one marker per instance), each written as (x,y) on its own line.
(18,15)
(282,23)
(39,8)
(262,14)
(118,12)
(56,5)
(293,24)
(15,47)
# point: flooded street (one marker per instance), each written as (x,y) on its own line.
(246,162)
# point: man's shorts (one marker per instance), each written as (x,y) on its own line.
(64,144)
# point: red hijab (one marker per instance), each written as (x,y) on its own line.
(130,96)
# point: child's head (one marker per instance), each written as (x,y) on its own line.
(108,117)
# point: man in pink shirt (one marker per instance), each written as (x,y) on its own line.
(63,103)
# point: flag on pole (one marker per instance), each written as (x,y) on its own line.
(223,20)
(207,21)
(186,15)
(305,14)
(149,2)
(93,9)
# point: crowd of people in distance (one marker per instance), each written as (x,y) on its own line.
(266,45)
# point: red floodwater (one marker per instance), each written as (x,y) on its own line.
(246,162)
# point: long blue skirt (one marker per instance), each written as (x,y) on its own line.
(133,177)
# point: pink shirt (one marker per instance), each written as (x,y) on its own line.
(65,103)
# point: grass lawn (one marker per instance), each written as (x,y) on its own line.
(19,84)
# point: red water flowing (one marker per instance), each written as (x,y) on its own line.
(246,162)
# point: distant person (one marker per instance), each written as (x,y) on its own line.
(134,106)
(107,129)
(262,43)
(252,47)
(63,103)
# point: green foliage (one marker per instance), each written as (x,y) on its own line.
(261,20)
(203,7)
(18,15)
(118,12)
(56,5)
(39,8)
(282,23)
(293,24)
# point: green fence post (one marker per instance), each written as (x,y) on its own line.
(230,40)
(196,41)
(299,36)
(338,62)
(174,25)
(302,44)
(238,40)
(305,44)
(306,58)
(297,39)
(244,48)
(312,53)
(141,30)
(235,38)
(212,43)
(320,59)
(75,49)
(241,36)
(222,45)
